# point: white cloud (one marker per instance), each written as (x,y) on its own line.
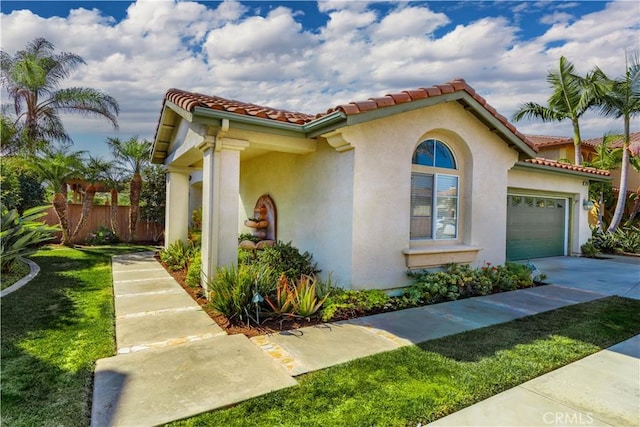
(362,51)
(556,17)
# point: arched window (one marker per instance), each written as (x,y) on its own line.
(434,192)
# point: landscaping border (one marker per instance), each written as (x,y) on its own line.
(34,270)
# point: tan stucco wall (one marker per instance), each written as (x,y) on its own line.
(382,158)
(313,194)
(552,184)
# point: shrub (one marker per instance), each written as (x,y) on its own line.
(283,258)
(306,299)
(21,235)
(231,291)
(347,303)
(625,239)
(178,254)
(589,250)
(194,270)
(102,236)
(461,281)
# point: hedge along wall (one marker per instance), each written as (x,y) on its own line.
(100,216)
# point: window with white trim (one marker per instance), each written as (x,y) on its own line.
(434,192)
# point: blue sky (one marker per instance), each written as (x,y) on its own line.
(309,56)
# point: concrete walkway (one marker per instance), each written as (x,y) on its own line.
(172,360)
(600,390)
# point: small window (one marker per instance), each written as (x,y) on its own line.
(435,154)
(434,195)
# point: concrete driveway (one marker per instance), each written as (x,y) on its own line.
(615,275)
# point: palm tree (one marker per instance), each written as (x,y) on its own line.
(606,158)
(93,171)
(622,99)
(114,180)
(32,78)
(572,96)
(55,168)
(133,155)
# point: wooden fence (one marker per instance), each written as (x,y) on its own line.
(145,231)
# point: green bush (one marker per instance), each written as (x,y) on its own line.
(194,270)
(102,236)
(231,291)
(178,254)
(589,250)
(626,239)
(462,281)
(283,258)
(348,303)
(21,235)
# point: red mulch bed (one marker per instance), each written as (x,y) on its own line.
(233,326)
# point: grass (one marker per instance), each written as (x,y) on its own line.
(19,270)
(53,331)
(419,384)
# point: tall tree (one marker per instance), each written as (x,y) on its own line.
(32,78)
(93,171)
(55,167)
(606,158)
(622,100)
(572,96)
(133,155)
(114,181)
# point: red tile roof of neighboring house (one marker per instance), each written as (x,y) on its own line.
(190,100)
(542,141)
(567,166)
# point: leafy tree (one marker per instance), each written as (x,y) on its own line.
(153,196)
(55,168)
(20,187)
(606,158)
(621,100)
(114,180)
(133,155)
(572,96)
(32,78)
(93,171)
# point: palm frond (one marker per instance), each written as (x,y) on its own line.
(532,110)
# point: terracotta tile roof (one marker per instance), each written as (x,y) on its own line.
(567,166)
(191,100)
(456,85)
(541,141)
(634,138)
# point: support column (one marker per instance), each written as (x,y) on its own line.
(177,209)
(220,193)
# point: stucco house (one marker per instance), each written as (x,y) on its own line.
(562,149)
(409,180)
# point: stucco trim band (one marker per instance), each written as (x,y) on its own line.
(435,256)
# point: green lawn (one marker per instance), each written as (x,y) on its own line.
(20,269)
(419,384)
(53,331)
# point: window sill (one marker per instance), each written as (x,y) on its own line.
(436,256)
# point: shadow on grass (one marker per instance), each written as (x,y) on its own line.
(599,322)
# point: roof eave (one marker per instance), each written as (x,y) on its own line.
(559,171)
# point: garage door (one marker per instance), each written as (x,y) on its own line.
(536,227)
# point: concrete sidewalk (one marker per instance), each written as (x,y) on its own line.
(601,390)
(173,361)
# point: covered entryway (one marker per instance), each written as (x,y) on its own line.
(536,227)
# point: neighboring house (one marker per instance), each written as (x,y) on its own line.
(562,149)
(415,179)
